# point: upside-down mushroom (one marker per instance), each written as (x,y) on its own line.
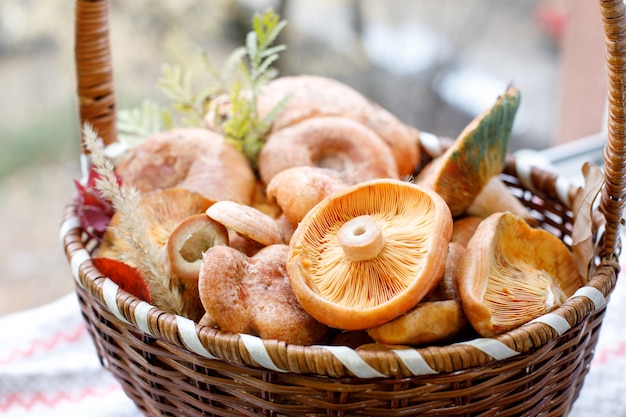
(369,253)
(188,242)
(477,155)
(512,273)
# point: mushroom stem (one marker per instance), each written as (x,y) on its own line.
(361,238)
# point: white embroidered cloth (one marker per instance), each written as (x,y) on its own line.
(49,367)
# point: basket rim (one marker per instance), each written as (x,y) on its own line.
(341,361)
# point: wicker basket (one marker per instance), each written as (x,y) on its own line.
(169,365)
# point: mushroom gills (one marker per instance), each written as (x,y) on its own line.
(516,294)
(512,273)
(189,241)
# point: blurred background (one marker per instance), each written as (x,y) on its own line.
(435,64)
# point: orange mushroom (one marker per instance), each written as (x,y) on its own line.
(286,226)
(328,142)
(141,242)
(188,242)
(496,197)
(296,190)
(311,96)
(369,253)
(436,318)
(463,228)
(247,221)
(262,202)
(477,155)
(196,159)
(512,273)
(252,295)
(428,322)
(163,211)
(448,287)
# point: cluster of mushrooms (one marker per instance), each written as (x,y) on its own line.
(344,235)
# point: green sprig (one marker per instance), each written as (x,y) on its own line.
(243,127)
(244,73)
(176,84)
(136,124)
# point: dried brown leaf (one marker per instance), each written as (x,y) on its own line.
(582,234)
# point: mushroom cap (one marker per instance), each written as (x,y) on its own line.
(428,322)
(313,96)
(247,221)
(478,154)
(448,288)
(188,242)
(207,320)
(359,292)
(264,203)
(193,158)
(328,142)
(512,273)
(287,227)
(296,190)
(252,295)
(157,214)
(437,317)
(463,229)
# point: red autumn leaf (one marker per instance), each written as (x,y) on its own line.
(94,211)
(128,278)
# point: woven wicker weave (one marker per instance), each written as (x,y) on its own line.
(168,365)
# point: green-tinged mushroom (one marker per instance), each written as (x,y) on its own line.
(477,155)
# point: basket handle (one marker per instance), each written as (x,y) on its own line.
(98,106)
(612,199)
(94,70)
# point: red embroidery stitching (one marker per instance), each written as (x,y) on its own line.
(51,400)
(42,345)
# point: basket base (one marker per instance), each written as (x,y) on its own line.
(162,380)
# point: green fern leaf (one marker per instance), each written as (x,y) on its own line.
(135,125)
